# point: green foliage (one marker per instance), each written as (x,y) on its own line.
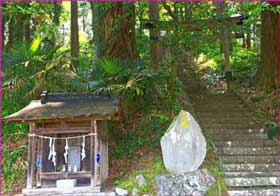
(32,69)
(14,167)
(155,168)
(245,62)
(218,189)
(147,134)
(111,67)
(22,9)
(273,130)
(41,15)
(35,45)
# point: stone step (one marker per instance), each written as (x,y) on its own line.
(251,174)
(247,151)
(200,100)
(217,105)
(221,108)
(225,115)
(255,191)
(249,159)
(234,120)
(222,96)
(237,104)
(222,111)
(246,143)
(239,137)
(214,105)
(207,116)
(247,167)
(230,120)
(251,181)
(234,131)
(227,125)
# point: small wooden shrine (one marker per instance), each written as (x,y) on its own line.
(67,140)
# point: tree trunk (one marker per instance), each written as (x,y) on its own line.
(4,20)
(57,7)
(115,33)
(11,33)
(57,11)
(141,13)
(247,40)
(176,11)
(225,39)
(19,28)
(97,19)
(15,30)
(188,11)
(92,20)
(267,75)
(114,37)
(155,55)
(74,35)
(175,39)
(27,30)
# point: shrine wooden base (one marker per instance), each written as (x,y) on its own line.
(76,191)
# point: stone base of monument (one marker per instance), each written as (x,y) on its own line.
(66,183)
(194,183)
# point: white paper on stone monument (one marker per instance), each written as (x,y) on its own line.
(183,144)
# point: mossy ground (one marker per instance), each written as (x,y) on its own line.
(152,165)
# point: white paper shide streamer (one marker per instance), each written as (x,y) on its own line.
(52,154)
(50,146)
(66,151)
(83,154)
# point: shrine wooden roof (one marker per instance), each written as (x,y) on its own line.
(67,106)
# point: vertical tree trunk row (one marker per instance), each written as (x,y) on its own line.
(188,11)
(267,75)
(115,33)
(57,8)
(27,30)
(225,39)
(74,35)
(154,37)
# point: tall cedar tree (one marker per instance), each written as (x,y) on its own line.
(57,8)
(225,39)
(268,73)
(114,31)
(74,35)
(154,35)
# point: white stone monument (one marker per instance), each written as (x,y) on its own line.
(183,144)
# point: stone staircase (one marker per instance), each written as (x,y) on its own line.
(248,158)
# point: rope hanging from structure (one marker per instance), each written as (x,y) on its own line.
(61,138)
(52,152)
